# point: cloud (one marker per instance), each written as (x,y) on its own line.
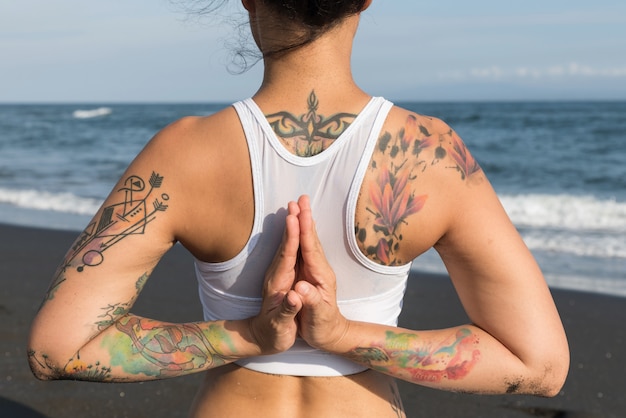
(555,72)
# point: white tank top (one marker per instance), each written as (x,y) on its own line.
(366,291)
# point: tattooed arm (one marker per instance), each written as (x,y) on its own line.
(425,189)
(84,329)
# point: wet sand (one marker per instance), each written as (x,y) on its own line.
(28,258)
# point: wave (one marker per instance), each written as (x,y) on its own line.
(557,224)
(577,225)
(57,202)
(566,212)
(92,113)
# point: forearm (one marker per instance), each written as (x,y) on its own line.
(138,349)
(465,359)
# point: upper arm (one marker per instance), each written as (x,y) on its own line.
(108,264)
(496,277)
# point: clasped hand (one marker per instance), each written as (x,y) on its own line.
(299,292)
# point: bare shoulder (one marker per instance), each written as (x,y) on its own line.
(419,172)
(204,159)
(189,134)
(195,152)
(426,141)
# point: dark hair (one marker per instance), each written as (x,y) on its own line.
(318,14)
(301,21)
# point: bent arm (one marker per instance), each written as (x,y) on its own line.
(139,349)
(515,342)
(84,329)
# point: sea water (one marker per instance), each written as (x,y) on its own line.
(559,169)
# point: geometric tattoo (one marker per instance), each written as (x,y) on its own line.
(131,215)
(117,221)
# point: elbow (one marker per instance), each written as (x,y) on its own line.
(44,358)
(549,376)
(42,367)
(556,377)
(550,386)
(557,369)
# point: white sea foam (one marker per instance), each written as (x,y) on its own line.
(579,241)
(594,284)
(565,224)
(577,225)
(57,202)
(92,113)
(566,212)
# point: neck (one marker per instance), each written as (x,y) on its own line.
(323,66)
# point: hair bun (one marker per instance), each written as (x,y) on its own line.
(316,13)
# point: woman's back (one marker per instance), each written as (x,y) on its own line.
(417,187)
(410,162)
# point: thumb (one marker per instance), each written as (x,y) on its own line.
(292,304)
(308,293)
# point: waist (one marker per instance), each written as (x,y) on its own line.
(235,391)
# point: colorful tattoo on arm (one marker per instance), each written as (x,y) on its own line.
(405,355)
(140,347)
(311,133)
(146,348)
(170,349)
(397,162)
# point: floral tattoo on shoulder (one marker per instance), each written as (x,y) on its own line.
(391,196)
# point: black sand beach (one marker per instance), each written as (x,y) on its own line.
(28,258)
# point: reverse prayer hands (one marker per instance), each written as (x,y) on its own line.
(299,293)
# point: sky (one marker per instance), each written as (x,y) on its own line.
(406,50)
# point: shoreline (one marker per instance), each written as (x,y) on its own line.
(427,263)
(28,258)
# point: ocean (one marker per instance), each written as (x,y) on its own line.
(559,169)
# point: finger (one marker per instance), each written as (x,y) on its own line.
(293,208)
(291,239)
(310,245)
(307,225)
(281,273)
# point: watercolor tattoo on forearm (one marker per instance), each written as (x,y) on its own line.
(145,347)
(139,204)
(311,133)
(397,162)
(161,349)
(405,355)
(156,350)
